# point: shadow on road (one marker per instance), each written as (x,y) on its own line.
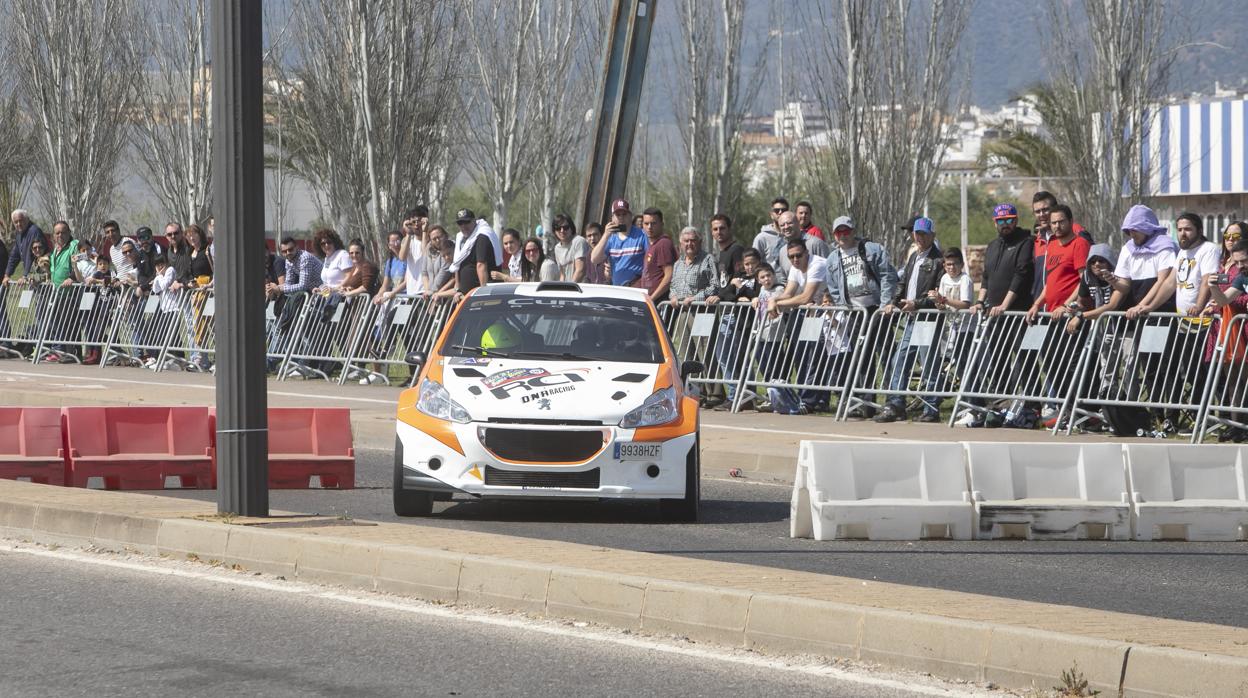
(714,511)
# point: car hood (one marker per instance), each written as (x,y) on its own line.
(548,390)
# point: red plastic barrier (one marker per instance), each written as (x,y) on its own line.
(31,445)
(307,441)
(136,448)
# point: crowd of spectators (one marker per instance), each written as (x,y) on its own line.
(1052,268)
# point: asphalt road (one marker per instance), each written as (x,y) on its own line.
(748,523)
(74,627)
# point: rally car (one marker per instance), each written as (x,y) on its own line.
(549,390)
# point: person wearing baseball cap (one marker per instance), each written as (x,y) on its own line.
(919,279)
(1009,269)
(622,245)
(1007,281)
(860,275)
(478,252)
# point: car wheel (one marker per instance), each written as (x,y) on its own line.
(685,510)
(408,502)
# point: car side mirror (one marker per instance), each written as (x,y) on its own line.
(415,359)
(691,368)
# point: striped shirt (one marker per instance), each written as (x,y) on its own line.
(627,256)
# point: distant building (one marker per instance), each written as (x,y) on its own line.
(1197,160)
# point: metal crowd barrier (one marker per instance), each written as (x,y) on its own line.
(326,330)
(805,354)
(141,329)
(193,344)
(1190,370)
(717,335)
(1018,368)
(19,318)
(915,357)
(390,331)
(1225,410)
(75,322)
(1157,362)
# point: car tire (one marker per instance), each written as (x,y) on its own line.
(685,510)
(408,502)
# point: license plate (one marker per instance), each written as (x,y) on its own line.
(638,451)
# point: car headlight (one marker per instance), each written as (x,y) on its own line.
(436,402)
(659,408)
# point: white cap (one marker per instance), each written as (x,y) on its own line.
(843,222)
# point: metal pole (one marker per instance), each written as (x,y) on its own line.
(238,181)
(965,235)
(615,113)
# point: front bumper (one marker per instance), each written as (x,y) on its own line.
(617,479)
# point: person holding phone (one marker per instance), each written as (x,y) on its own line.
(623,246)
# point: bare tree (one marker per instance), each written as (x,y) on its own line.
(278,182)
(565,53)
(1098,105)
(712,95)
(500,133)
(366,106)
(884,74)
(173,129)
(17,147)
(76,67)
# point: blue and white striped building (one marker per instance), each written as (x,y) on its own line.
(1197,160)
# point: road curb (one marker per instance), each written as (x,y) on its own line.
(1007,655)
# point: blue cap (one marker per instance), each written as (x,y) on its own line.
(924,225)
(1004,211)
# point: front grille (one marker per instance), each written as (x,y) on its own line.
(535,446)
(587,479)
(547,422)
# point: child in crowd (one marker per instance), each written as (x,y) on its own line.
(84,262)
(167,288)
(769,349)
(956,291)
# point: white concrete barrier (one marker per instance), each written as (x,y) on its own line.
(881,491)
(1195,493)
(1049,491)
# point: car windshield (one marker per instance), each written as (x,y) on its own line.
(604,329)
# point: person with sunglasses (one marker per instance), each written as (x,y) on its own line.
(1231,234)
(534,266)
(1008,284)
(1009,265)
(770,243)
(571,251)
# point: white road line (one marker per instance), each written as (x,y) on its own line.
(230,578)
(202,387)
(819,434)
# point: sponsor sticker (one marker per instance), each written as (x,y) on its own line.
(470,361)
(512,375)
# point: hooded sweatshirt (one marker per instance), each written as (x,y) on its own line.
(1092,290)
(1140,264)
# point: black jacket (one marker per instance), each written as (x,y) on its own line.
(931,267)
(1008,266)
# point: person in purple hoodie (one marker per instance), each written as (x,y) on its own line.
(1145,265)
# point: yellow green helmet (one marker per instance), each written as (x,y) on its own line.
(499,336)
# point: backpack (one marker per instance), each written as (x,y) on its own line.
(1128,421)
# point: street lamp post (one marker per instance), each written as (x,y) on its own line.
(238,181)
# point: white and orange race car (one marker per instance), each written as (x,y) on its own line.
(550,390)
